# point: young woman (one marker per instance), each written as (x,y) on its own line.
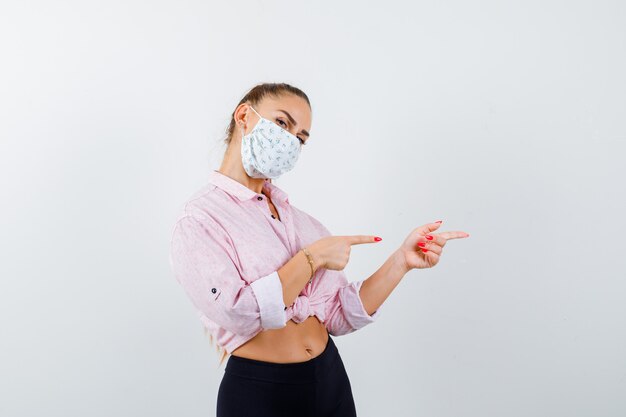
(267,278)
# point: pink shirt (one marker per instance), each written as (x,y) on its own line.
(226,248)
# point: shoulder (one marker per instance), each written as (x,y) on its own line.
(202,207)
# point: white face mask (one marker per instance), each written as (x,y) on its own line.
(268,151)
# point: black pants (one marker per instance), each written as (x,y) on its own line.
(318,387)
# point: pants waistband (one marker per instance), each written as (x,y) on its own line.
(290,373)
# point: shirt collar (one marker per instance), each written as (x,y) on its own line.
(242,192)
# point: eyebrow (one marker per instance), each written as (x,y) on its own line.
(292,120)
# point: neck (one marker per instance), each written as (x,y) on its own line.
(233,168)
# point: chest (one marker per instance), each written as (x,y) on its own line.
(266,236)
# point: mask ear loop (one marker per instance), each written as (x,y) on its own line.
(256,112)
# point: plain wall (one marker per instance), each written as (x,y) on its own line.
(504,119)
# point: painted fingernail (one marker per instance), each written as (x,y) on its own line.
(424,250)
(377,239)
(429,237)
(422,244)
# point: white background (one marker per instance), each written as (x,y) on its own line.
(504,119)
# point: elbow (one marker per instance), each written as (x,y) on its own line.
(250,322)
(337,325)
(346,313)
(239,323)
(344,321)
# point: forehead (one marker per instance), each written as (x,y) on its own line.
(296,106)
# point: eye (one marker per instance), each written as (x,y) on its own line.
(285,124)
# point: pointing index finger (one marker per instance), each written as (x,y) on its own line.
(360,239)
(453,235)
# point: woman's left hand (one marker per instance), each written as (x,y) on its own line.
(422,248)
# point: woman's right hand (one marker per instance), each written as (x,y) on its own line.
(333,252)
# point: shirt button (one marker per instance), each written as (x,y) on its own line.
(213,290)
(259,198)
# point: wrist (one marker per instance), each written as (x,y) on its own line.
(400,261)
(318,260)
(309,261)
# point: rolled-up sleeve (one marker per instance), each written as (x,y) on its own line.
(345,312)
(202,260)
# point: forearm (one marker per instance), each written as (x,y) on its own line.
(375,289)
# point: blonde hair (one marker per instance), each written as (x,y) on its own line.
(219,349)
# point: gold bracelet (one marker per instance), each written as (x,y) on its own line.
(310,259)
